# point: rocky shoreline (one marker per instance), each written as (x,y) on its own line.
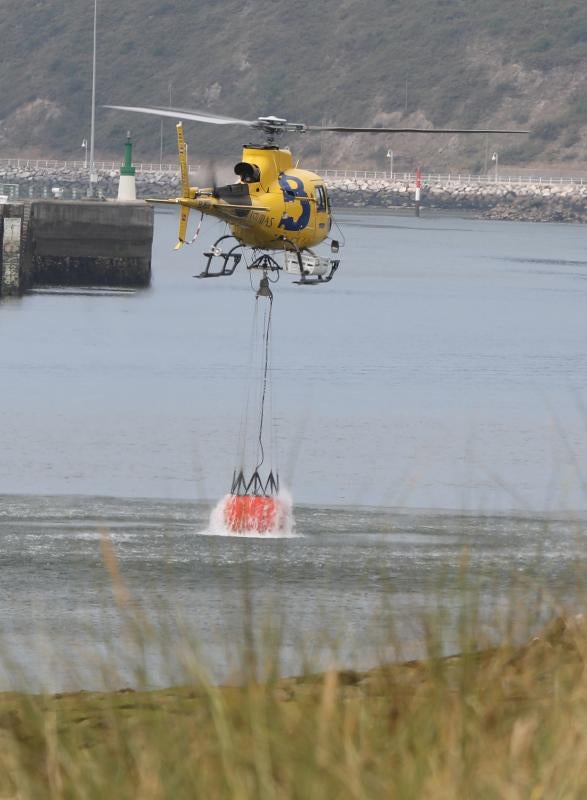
(38,181)
(540,202)
(533,202)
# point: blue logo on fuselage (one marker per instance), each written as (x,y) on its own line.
(290,195)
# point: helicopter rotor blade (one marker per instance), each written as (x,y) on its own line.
(272,125)
(339,129)
(195,116)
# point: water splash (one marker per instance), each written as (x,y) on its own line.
(284,527)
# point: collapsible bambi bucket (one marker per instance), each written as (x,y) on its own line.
(253,514)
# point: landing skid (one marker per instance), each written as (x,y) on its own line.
(311,269)
(313,281)
(229,260)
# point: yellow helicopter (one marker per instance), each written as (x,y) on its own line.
(274,208)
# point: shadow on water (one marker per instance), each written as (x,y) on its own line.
(391,226)
(86,291)
(555,262)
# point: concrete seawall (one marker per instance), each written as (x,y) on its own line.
(15,249)
(60,243)
(91,243)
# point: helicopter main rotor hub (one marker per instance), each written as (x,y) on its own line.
(274,126)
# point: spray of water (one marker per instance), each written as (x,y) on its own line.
(283,528)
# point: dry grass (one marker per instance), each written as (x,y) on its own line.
(502,722)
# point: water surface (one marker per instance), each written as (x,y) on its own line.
(431,398)
(333,590)
(445,366)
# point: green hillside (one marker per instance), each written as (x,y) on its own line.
(417,62)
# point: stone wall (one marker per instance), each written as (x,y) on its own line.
(38,182)
(74,243)
(502,200)
(15,255)
(539,202)
(91,243)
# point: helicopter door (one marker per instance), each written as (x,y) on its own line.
(322,216)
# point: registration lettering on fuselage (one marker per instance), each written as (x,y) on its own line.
(259,218)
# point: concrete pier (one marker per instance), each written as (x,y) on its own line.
(91,243)
(15,253)
(69,243)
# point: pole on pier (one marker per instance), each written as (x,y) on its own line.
(93,173)
(418,189)
(495,159)
(390,157)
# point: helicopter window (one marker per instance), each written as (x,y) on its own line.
(320,198)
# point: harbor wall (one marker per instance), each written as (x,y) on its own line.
(70,243)
(500,199)
(38,182)
(509,201)
(15,250)
(91,243)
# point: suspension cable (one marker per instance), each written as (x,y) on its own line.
(246,411)
(266,336)
(259,353)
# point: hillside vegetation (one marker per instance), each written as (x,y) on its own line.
(406,62)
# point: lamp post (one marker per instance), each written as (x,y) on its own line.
(85,149)
(93,175)
(161,148)
(390,157)
(495,157)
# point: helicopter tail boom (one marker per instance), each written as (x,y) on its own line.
(183,161)
(185,185)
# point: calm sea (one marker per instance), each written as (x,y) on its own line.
(432,397)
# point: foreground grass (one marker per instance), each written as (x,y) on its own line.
(507,722)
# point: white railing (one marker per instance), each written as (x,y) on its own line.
(451,178)
(101,166)
(352,174)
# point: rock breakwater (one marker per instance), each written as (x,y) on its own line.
(544,202)
(33,181)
